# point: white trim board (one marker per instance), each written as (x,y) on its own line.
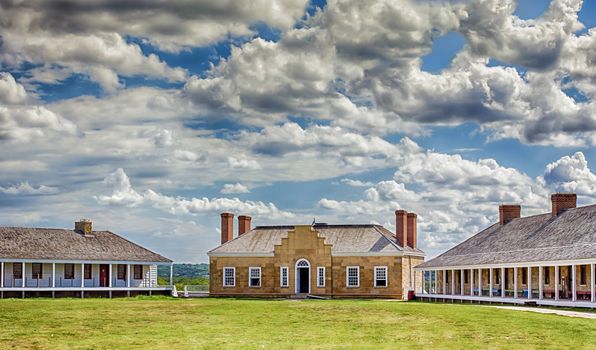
(516,264)
(90,262)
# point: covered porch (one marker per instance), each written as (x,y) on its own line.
(75,278)
(560,283)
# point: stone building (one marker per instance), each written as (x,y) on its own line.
(546,259)
(320,259)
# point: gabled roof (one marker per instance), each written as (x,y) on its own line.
(568,236)
(345,240)
(62,244)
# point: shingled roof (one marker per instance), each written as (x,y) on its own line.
(568,236)
(62,244)
(345,239)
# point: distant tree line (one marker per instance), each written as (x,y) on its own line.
(184,274)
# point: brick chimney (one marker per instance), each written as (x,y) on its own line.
(412,230)
(401,227)
(227,227)
(508,212)
(562,201)
(84,226)
(243,224)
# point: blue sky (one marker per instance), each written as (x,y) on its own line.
(153,124)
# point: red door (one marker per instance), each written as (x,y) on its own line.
(104,275)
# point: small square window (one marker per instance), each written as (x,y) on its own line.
(254,274)
(321,276)
(380,276)
(229,276)
(283,276)
(353,276)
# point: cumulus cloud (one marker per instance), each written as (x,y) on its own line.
(571,174)
(234,188)
(26,189)
(123,194)
(11,92)
(356,183)
(186,156)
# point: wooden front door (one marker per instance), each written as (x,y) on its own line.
(104,275)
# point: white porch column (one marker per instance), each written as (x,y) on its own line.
(24,275)
(471,282)
(82,275)
(490,282)
(452,282)
(172,275)
(127,275)
(444,291)
(540,282)
(592,282)
(573,284)
(529,282)
(556,282)
(2,275)
(53,275)
(111,277)
(479,282)
(461,282)
(502,282)
(515,282)
(436,291)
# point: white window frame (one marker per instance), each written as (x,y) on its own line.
(378,268)
(281,277)
(233,276)
(250,270)
(348,268)
(321,282)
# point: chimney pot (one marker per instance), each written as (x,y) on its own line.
(243,224)
(508,212)
(412,230)
(401,227)
(227,227)
(562,201)
(84,226)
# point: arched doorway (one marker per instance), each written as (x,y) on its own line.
(302,276)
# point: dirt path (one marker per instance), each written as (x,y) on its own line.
(551,311)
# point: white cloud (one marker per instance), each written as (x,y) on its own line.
(24,123)
(11,92)
(571,174)
(27,189)
(186,156)
(123,194)
(356,183)
(234,188)
(243,163)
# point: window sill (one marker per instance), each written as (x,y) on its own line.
(229,286)
(353,286)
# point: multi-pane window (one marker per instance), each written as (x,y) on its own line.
(497,277)
(254,274)
(229,276)
(69,271)
(353,276)
(121,273)
(283,277)
(547,275)
(321,276)
(524,275)
(17,271)
(380,276)
(138,272)
(36,270)
(466,276)
(582,274)
(88,269)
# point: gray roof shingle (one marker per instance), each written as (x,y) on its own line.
(62,244)
(568,236)
(345,239)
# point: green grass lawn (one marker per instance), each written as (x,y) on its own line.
(165,323)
